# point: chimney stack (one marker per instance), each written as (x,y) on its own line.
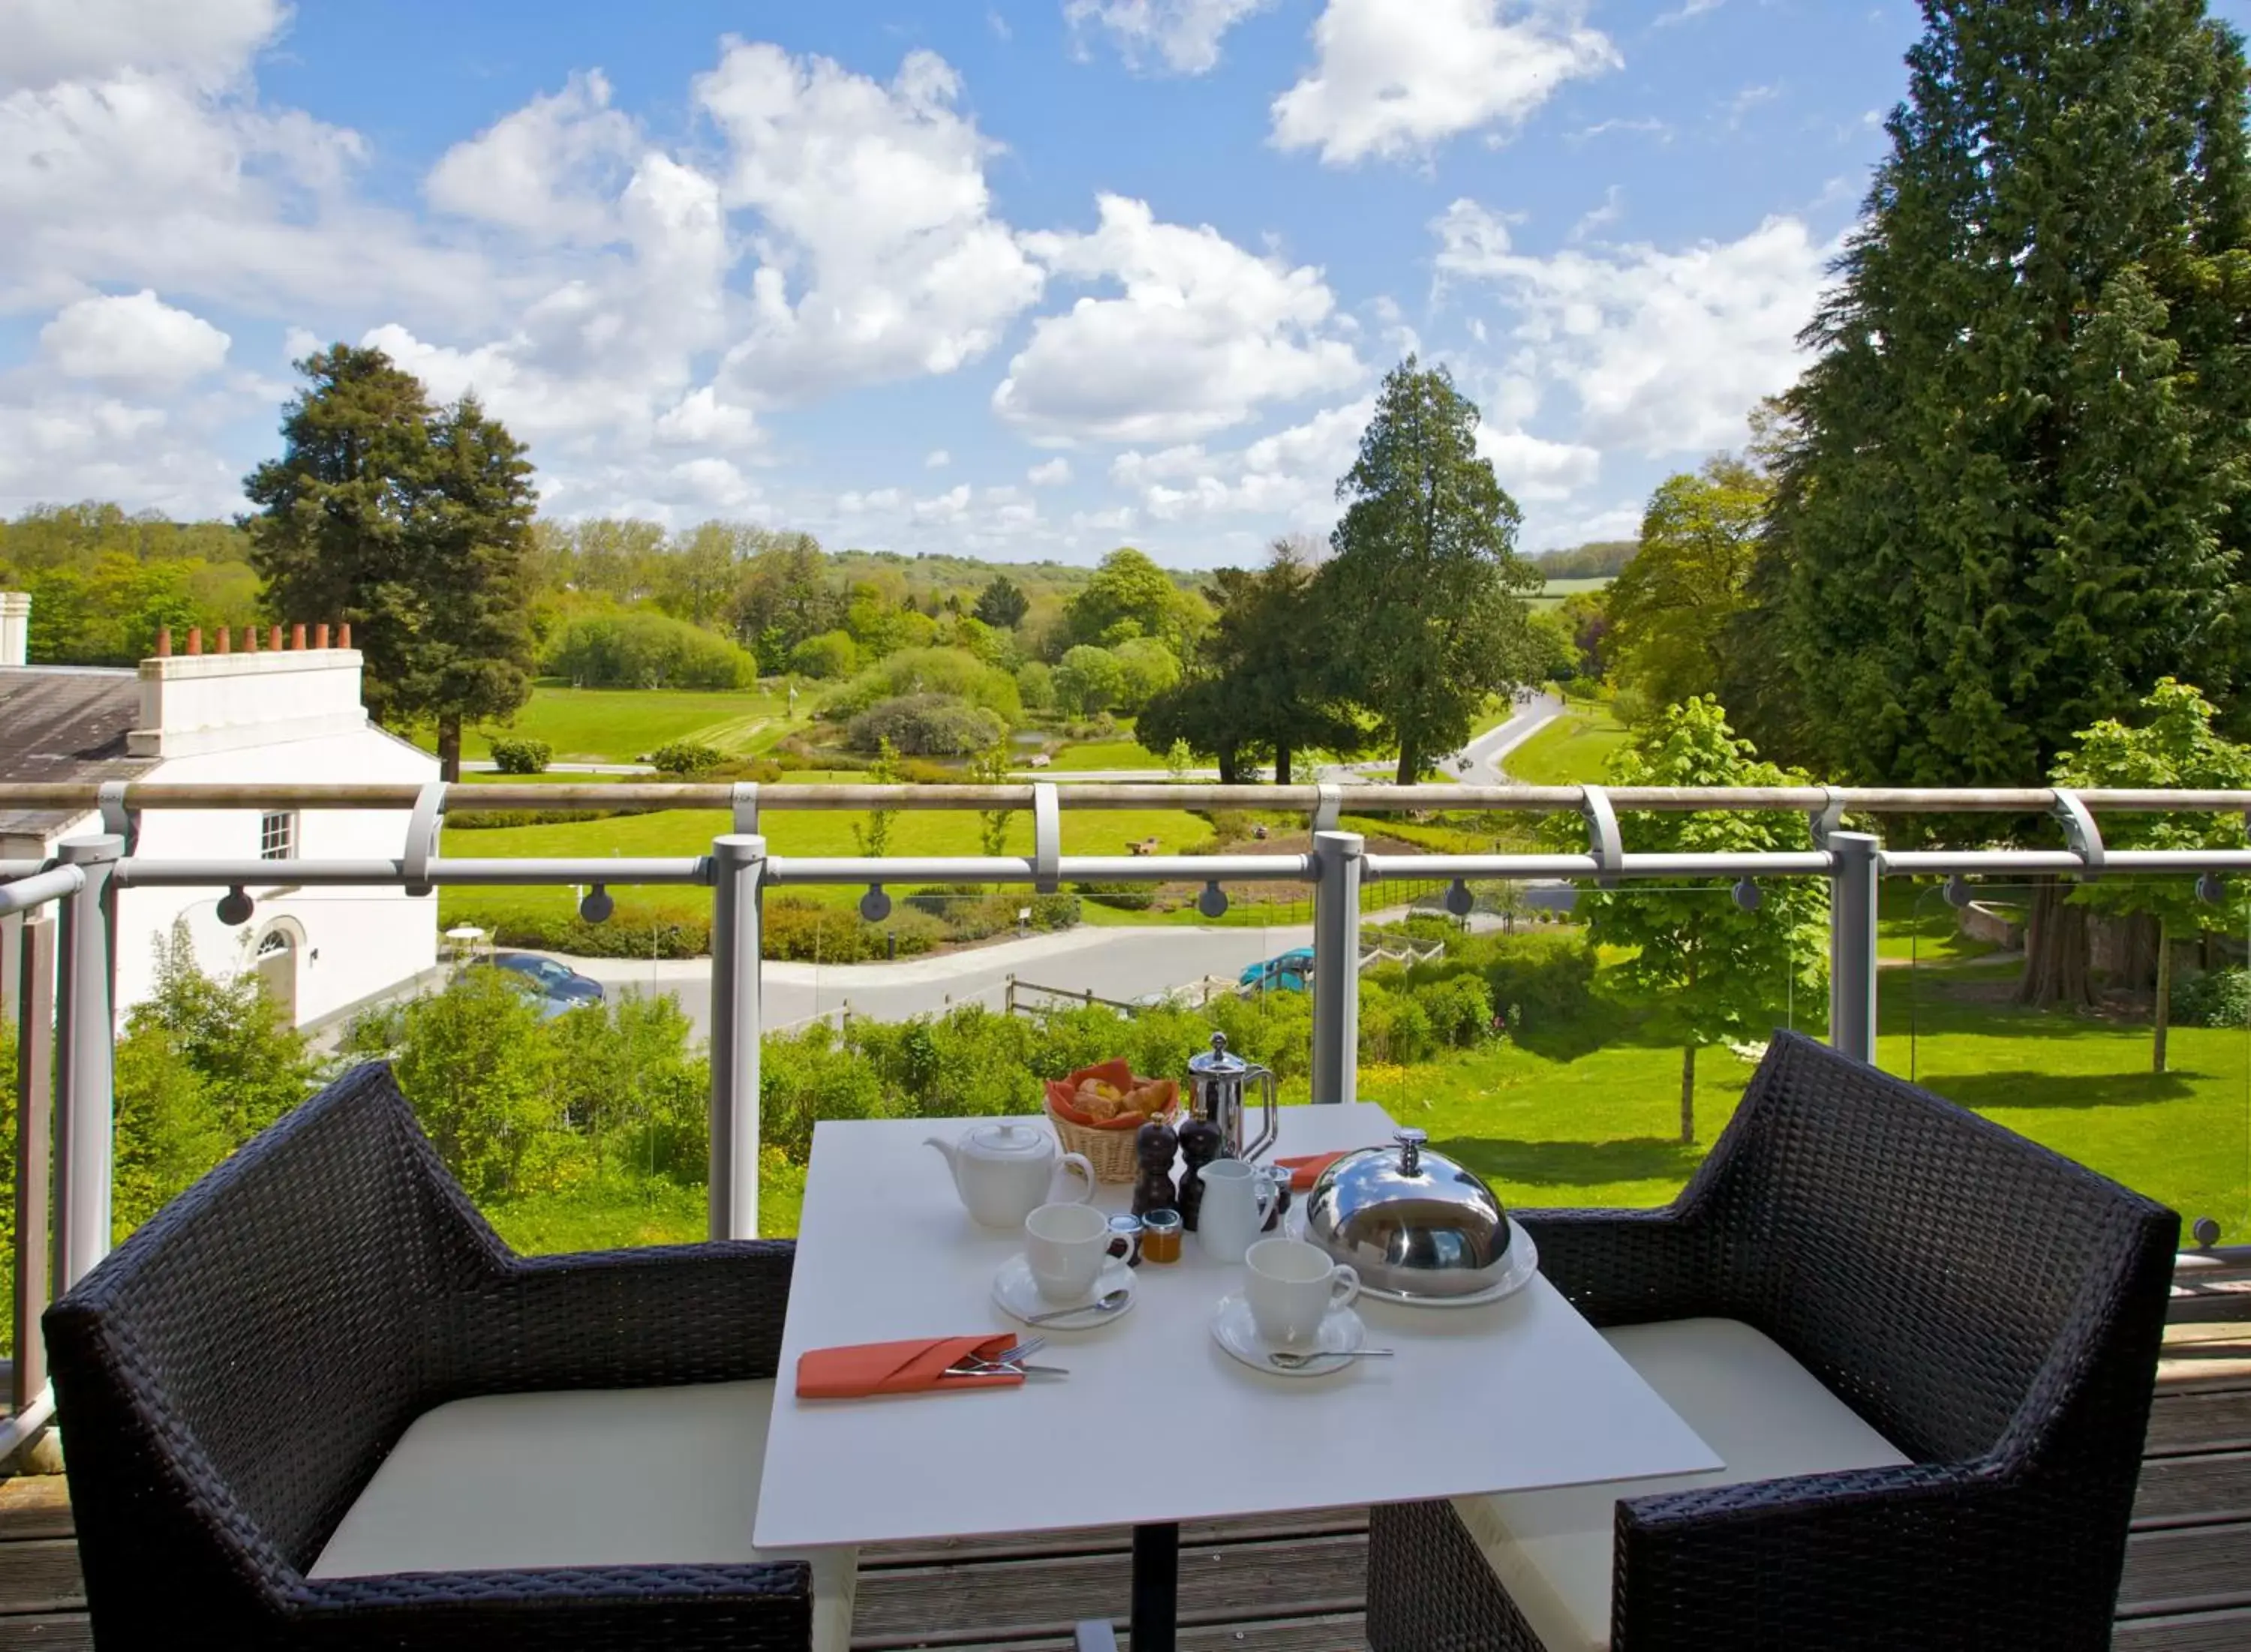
(15,628)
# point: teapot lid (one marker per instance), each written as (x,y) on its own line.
(1219,1063)
(1005,1138)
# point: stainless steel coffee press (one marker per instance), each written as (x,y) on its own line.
(1219,1088)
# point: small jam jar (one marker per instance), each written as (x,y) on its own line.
(1160,1236)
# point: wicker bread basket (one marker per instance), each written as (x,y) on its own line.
(1109,1147)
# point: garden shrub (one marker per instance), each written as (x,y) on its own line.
(1036,686)
(668,931)
(1127,897)
(929,671)
(2213,998)
(686,757)
(831,655)
(641,650)
(927,725)
(972,912)
(1392,1026)
(522,756)
(1459,1009)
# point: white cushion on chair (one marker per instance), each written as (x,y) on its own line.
(1763,1414)
(622,1477)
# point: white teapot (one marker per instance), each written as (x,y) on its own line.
(1006,1170)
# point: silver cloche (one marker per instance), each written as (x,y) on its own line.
(1409,1220)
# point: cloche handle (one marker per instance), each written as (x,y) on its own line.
(1410,1142)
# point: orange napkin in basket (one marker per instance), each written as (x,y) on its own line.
(912,1367)
(1304,1171)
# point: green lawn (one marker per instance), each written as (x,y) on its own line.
(1551,595)
(1572,751)
(675,833)
(1577,1116)
(622,725)
(1105,754)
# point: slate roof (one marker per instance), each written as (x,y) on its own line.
(61,722)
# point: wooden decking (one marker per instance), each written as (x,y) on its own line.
(1296,1585)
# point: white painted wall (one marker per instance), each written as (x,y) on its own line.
(357,941)
(15,628)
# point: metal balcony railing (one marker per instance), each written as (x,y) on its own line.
(77,954)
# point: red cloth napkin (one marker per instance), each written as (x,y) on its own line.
(913,1367)
(1304,1171)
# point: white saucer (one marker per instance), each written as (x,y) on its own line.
(1523,1263)
(1018,1295)
(1233,1330)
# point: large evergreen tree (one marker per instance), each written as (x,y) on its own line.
(2011,486)
(413,524)
(1421,600)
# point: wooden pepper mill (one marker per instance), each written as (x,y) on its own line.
(1155,1144)
(1201,1141)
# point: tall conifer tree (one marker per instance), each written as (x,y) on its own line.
(2012,492)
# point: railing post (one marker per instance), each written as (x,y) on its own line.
(84,1059)
(34,1145)
(1336,966)
(737,863)
(1852,945)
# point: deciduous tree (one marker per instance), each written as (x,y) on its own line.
(1670,606)
(2169,745)
(1713,970)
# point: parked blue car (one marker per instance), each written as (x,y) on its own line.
(558,987)
(1285,973)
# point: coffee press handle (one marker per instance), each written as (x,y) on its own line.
(1270,1123)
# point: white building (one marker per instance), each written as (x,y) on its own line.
(288,715)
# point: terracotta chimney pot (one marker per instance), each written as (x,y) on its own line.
(343,635)
(195,640)
(250,639)
(297,636)
(273,639)
(319,636)
(163,642)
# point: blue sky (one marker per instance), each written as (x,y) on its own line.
(1030,278)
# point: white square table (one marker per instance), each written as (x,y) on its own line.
(1511,1396)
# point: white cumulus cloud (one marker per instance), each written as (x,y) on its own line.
(1184,33)
(53,40)
(133,339)
(1394,79)
(1291,475)
(1203,334)
(1667,350)
(1052,473)
(552,167)
(879,257)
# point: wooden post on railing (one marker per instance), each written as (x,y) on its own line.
(737,863)
(35,1092)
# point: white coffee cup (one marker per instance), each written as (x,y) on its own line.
(1066,1246)
(1291,1287)
(1237,1196)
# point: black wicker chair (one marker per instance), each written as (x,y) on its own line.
(1990,1309)
(230,1379)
